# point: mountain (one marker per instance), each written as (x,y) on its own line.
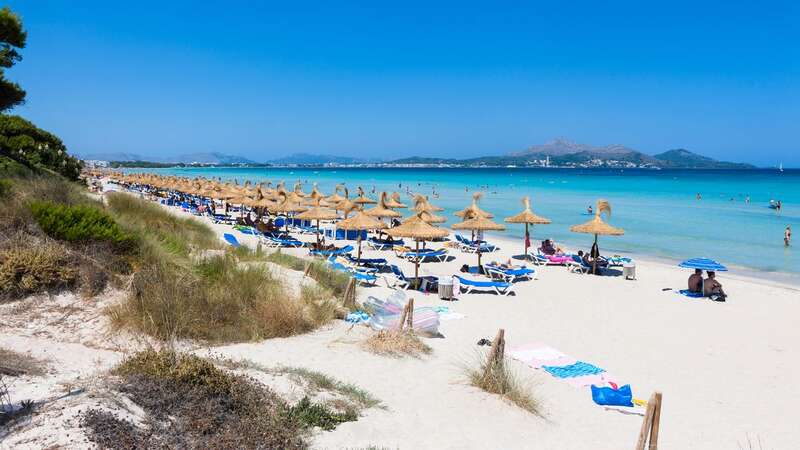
(209,158)
(112,156)
(563,147)
(312,159)
(682,158)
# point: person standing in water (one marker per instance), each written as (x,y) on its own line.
(787,236)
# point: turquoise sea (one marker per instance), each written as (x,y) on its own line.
(657,208)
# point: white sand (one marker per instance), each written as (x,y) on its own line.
(726,370)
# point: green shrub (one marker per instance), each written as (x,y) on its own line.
(5,187)
(318,415)
(181,368)
(77,223)
(189,403)
(35,268)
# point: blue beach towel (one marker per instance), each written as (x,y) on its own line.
(578,369)
(690,294)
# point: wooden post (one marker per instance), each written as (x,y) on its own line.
(349,297)
(650,424)
(403,318)
(498,349)
(410,322)
(308,269)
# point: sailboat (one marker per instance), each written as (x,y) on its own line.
(780,167)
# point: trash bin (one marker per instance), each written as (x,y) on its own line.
(629,271)
(446,288)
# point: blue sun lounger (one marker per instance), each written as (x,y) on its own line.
(499,287)
(439,255)
(231,239)
(336,252)
(369,262)
(469,246)
(383,244)
(510,275)
(277,242)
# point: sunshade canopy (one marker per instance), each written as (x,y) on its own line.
(703,264)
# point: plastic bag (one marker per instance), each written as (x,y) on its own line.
(613,397)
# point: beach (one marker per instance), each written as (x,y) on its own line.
(726,370)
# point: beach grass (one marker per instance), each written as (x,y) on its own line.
(495,377)
(335,281)
(190,403)
(314,381)
(14,364)
(396,343)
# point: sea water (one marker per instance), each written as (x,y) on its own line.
(658,209)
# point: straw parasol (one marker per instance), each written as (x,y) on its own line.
(475,222)
(426,210)
(382,209)
(362,199)
(335,197)
(287,205)
(298,190)
(474,209)
(345,205)
(394,201)
(361,221)
(597,226)
(528,218)
(317,213)
(418,229)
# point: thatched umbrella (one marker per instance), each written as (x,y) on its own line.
(315,198)
(287,205)
(527,217)
(381,210)
(317,213)
(362,199)
(478,223)
(597,226)
(345,205)
(298,190)
(474,209)
(418,229)
(426,211)
(360,222)
(394,201)
(335,198)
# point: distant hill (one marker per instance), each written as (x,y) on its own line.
(312,159)
(682,158)
(210,158)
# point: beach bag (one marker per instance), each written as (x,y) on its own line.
(613,397)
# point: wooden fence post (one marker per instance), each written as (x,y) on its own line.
(403,318)
(410,322)
(497,354)
(650,424)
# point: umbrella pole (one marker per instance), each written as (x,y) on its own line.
(594,258)
(359,245)
(416,264)
(525,254)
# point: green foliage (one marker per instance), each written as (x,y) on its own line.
(330,279)
(79,223)
(37,149)
(5,187)
(174,234)
(181,368)
(12,38)
(35,268)
(318,415)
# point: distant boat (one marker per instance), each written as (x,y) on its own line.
(780,167)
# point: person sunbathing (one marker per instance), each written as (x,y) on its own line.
(713,288)
(547,247)
(696,281)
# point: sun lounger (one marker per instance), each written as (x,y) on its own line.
(499,287)
(439,255)
(382,244)
(335,252)
(370,262)
(231,239)
(364,278)
(277,242)
(508,274)
(469,246)
(576,265)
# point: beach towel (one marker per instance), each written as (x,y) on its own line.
(690,294)
(578,369)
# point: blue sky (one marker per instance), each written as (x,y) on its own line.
(453,79)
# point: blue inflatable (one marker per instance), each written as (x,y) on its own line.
(613,397)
